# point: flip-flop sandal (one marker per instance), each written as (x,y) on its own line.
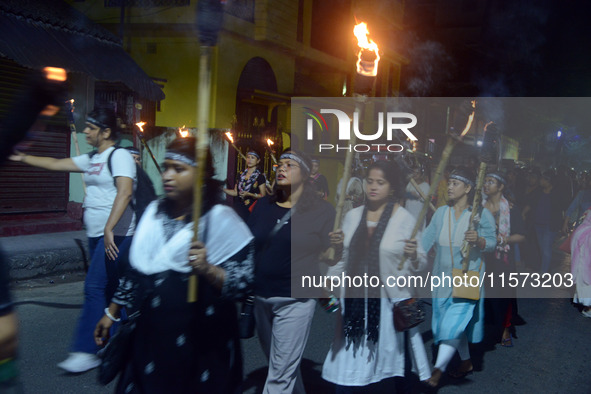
(507,342)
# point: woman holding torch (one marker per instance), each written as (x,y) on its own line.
(457,321)
(366,348)
(109,222)
(291,229)
(249,187)
(181,347)
(510,231)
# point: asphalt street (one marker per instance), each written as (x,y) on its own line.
(550,353)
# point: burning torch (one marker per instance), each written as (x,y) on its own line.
(231,141)
(452,141)
(367,68)
(41,97)
(183,132)
(269,143)
(143,140)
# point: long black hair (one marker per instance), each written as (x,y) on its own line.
(309,197)
(211,186)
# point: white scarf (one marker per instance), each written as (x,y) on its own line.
(150,253)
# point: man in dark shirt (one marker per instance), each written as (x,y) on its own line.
(318,180)
(547,208)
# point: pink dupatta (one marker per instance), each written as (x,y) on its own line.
(581,249)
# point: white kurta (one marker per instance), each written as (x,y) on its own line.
(370,362)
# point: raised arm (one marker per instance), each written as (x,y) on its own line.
(48,163)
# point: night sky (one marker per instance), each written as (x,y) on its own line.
(517,48)
(493,48)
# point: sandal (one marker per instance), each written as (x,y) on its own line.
(507,342)
(462,371)
(460,374)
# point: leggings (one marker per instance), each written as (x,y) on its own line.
(447,349)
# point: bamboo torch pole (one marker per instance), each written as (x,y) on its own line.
(449,147)
(487,155)
(200,151)
(421,194)
(209,22)
(368,58)
(140,126)
(445,156)
(466,246)
(72,124)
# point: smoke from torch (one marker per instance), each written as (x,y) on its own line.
(368,55)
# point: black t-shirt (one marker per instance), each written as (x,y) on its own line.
(293,251)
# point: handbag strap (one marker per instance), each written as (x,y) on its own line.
(451,253)
(282,222)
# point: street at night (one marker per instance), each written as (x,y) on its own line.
(295,196)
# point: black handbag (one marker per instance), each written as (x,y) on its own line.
(408,314)
(118,351)
(246,320)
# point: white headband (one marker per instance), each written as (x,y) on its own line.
(179,157)
(295,158)
(461,178)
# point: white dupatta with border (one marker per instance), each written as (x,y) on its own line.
(151,253)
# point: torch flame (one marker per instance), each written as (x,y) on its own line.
(470,120)
(229,135)
(55,74)
(269,142)
(139,125)
(366,67)
(183,132)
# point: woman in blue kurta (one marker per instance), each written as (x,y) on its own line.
(457,321)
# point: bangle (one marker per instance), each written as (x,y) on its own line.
(113,318)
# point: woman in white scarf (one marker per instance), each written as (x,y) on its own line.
(179,346)
(366,348)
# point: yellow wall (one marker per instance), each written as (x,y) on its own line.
(272,37)
(176,61)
